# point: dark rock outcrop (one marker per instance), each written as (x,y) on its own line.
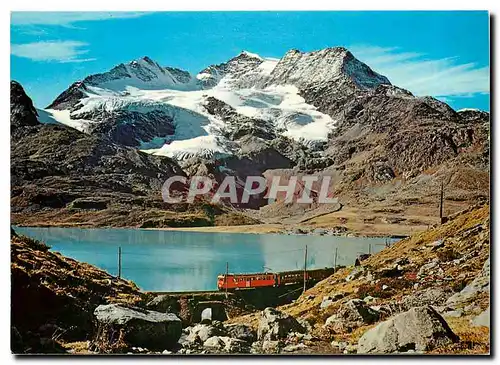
(22,111)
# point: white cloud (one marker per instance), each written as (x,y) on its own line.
(52,51)
(444,77)
(62,18)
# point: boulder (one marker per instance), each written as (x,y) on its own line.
(135,327)
(294,348)
(428,269)
(274,325)
(241,332)
(419,329)
(235,346)
(432,296)
(483,319)
(204,332)
(355,273)
(271,347)
(353,314)
(214,342)
(326,302)
(455,314)
(164,303)
(339,345)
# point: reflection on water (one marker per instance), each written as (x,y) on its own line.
(178,261)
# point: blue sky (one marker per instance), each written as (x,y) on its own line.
(443,54)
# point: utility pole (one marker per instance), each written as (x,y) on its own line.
(119,262)
(370,249)
(335,259)
(441,204)
(305,269)
(227,273)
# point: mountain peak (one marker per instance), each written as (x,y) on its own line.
(142,73)
(242,63)
(148,60)
(304,69)
(250,54)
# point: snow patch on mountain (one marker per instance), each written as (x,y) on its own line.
(203,146)
(52,116)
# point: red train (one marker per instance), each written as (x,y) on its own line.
(268,279)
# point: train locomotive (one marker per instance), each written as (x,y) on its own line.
(269,279)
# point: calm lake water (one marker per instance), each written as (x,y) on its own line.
(179,261)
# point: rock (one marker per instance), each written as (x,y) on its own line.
(427,269)
(350,349)
(436,245)
(391,272)
(455,314)
(369,299)
(340,345)
(430,296)
(305,325)
(319,231)
(355,273)
(166,352)
(402,261)
(271,347)
(325,303)
(384,287)
(293,348)
(256,347)
(479,285)
(364,256)
(214,342)
(241,332)
(164,303)
(336,296)
(234,345)
(138,327)
(419,329)
(472,308)
(483,319)
(274,325)
(351,315)
(204,332)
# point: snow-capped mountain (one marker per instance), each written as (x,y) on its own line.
(164,111)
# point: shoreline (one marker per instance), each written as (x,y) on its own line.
(352,229)
(389,230)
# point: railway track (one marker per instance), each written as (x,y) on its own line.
(196,292)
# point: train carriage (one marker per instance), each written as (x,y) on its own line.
(244,281)
(259,280)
